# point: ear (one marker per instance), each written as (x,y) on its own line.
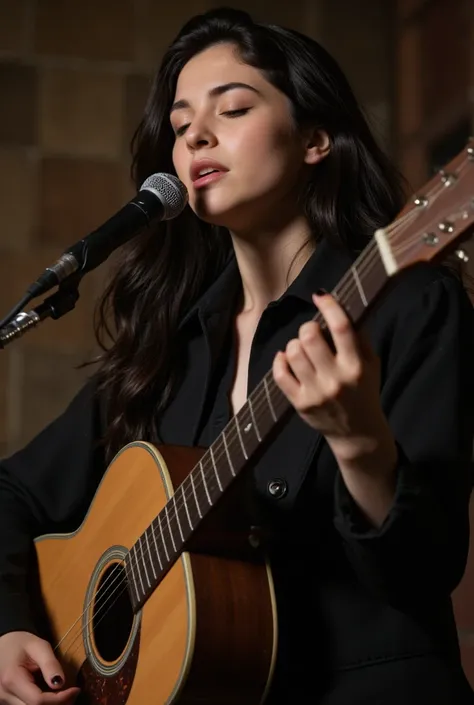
(317,146)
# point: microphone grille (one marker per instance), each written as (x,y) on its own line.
(171,192)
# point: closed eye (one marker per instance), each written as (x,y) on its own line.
(228,113)
(181,130)
(236,113)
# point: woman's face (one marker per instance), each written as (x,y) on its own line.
(226,116)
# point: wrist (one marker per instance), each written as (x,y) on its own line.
(367,454)
(369,473)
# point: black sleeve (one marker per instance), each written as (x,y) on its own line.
(45,487)
(428,396)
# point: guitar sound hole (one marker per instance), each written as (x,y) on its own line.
(112,617)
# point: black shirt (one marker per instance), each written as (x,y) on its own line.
(359,596)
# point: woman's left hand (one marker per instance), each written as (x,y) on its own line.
(337,393)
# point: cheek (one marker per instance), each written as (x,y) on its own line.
(271,147)
(180,163)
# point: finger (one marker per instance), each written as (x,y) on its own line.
(284,378)
(317,349)
(340,327)
(8,699)
(20,683)
(65,697)
(299,363)
(41,653)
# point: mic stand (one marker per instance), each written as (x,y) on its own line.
(55,306)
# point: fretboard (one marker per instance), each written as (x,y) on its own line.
(160,545)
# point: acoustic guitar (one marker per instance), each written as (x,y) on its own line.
(149,601)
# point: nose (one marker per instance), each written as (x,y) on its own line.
(199,134)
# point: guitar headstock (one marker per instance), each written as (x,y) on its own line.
(436,220)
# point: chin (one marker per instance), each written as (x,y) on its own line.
(217,214)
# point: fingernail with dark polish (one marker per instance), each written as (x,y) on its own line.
(56,680)
(321,292)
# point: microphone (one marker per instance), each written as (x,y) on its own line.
(161,197)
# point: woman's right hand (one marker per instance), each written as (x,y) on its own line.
(22,657)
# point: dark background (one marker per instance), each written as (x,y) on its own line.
(73,79)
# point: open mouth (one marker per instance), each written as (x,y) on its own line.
(208,176)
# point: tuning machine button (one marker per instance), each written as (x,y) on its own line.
(463,256)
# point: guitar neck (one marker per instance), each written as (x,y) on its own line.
(266,405)
(424,231)
(163,541)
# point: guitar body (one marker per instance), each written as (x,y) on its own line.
(191,620)
(206,634)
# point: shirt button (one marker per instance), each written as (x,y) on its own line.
(277,488)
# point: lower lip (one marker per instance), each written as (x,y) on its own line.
(208,179)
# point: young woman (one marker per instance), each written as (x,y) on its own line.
(286,185)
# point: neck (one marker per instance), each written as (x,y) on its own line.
(269,261)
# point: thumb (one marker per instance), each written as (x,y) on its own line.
(41,653)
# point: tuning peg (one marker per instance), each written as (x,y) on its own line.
(462,255)
(447,178)
(420,201)
(446,226)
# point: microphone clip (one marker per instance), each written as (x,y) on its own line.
(58,304)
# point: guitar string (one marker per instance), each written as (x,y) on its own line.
(109,583)
(162,523)
(211,481)
(412,213)
(369,257)
(213,478)
(456,216)
(460,215)
(120,581)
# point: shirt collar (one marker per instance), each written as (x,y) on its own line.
(221,294)
(323,270)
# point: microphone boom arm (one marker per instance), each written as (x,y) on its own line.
(58,304)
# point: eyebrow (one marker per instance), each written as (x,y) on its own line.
(217,91)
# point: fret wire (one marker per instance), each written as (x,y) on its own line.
(222,455)
(257,432)
(138,568)
(246,426)
(144,561)
(215,469)
(210,476)
(204,482)
(244,411)
(186,507)
(153,533)
(275,401)
(267,394)
(160,524)
(177,518)
(149,553)
(229,460)
(236,421)
(260,401)
(359,285)
(169,526)
(191,476)
(281,403)
(226,451)
(275,391)
(128,562)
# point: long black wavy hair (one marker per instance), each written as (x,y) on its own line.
(159,275)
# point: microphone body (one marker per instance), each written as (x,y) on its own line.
(161,197)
